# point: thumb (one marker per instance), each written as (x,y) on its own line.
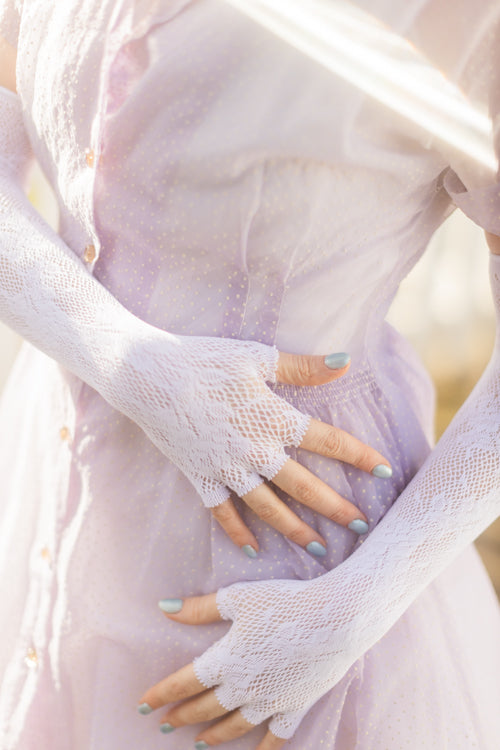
(310,369)
(194,610)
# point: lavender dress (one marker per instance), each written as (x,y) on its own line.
(219,183)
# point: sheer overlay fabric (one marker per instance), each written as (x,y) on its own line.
(221,195)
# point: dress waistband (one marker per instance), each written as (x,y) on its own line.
(342,390)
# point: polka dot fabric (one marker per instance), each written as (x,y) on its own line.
(216,186)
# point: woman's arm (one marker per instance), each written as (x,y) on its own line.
(493,241)
(163,382)
(291,641)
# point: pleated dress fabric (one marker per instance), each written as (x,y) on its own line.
(220,183)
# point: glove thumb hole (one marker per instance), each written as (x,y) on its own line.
(311,369)
(285,725)
(269,363)
(226,604)
(212,492)
(207,667)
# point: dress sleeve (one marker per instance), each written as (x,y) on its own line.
(475,193)
(469,55)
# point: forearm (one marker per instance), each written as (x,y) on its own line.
(311,632)
(194,397)
(451,500)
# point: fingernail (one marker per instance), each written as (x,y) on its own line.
(144,709)
(382,471)
(315,548)
(201,745)
(249,550)
(166,728)
(359,526)
(337,361)
(170,606)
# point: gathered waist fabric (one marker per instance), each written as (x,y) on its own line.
(352,385)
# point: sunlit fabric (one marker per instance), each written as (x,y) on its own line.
(219,182)
(356,46)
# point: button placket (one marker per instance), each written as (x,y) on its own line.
(93,153)
(90,252)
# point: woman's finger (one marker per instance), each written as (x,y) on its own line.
(204,707)
(267,505)
(301,484)
(308,369)
(234,726)
(333,442)
(177,687)
(193,610)
(232,523)
(271,742)
(230,728)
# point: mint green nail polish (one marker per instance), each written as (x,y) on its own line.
(166,728)
(201,745)
(315,548)
(382,471)
(337,361)
(170,606)
(359,526)
(249,550)
(144,709)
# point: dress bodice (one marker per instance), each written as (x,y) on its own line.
(285,205)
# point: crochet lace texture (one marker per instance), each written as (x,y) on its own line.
(203,401)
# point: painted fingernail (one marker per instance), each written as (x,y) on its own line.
(170,606)
(249,550)
(359,526)
(166,728)
(200,745)
(144,709)
(315,548)
(382,471)
(337,361)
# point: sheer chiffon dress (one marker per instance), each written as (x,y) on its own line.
(219,183)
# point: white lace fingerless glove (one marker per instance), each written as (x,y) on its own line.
(291,641)
(202,401)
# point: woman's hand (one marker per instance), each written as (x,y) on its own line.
(278,658)
(205,403)
(297,481)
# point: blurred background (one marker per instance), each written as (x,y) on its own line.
(444,307)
